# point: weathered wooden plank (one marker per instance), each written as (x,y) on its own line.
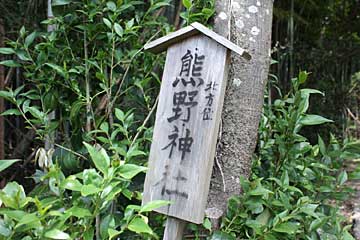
(195,28)
(161,44)
(189,112)
(174,229)
(223,41)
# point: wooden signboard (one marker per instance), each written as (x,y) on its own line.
(187,120)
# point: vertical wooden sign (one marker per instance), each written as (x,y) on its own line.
(187,123)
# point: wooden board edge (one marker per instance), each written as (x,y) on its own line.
(161,44)
(220,39)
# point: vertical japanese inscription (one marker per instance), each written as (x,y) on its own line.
(183,103)
(210,90)
(186,127)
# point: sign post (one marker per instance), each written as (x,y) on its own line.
(187,123)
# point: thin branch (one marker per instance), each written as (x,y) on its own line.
(217,158)
(87,86)
(145,121)
(353,116)
(71,151)
(8,76)
(128,68)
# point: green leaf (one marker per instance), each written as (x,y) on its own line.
(187,4)
(107,23)
(133,152)
(60,2)
(4,230)
(313,120)
(129,171)
(129,24)
(153,205)
(16,215)
(90,189)
(270,236)
(79,212)
(7,51)
(11,112)
(91,176)
(7,163)
(307,91)
(57,68)
(30,39)
(22,55)
(111,5)
(317,223)
(259,191)
(72,184)
(342,178)
(104,127)
(303,76)
(309,209)
(10,63)
(264,217)
(31,220)
(347,236)
(99,158)
(35,112)
(13,196)
(56,234)
(221,236)
(89,234)
(287,227)
(106,223)
(119,30)
(158,5)
(207,224)
(113,233)
(285,179)
(120,114)
(322,146)
(8,95)
(139,225)
(22,31)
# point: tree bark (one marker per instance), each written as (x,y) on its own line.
(248,24)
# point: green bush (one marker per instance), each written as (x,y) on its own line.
(83,205)
(295,185)
(92,72)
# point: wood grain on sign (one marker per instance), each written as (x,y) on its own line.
(186,127)
(195,28)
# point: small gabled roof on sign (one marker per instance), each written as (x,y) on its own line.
(195,28)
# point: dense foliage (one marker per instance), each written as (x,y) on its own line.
(90,92)
(91,61)
(295,186)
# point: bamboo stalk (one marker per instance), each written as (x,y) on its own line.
(49,138)
(291,68)
(2,85)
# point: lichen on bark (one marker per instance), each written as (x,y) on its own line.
(244,95)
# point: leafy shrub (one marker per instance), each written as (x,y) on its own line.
(295,185)
(76,206)
(92,72)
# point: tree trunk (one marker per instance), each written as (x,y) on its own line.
(248,24)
